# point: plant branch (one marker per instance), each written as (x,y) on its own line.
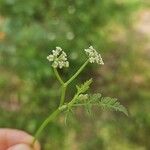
(58,76)
(49,119)
(52,116)
(77,73)
(63,93)
(73,100)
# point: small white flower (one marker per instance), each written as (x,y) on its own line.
(83,96)
(50,57)
(59,58)
(58,48)
(94,56)
(56,51)
(92,59)
(67,64)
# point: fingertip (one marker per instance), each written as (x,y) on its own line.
(36,146)
(10,137)
(20,147)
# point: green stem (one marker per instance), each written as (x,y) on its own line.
(58,76)
(63,93)
(73,100)
(77,73)
(76,105)
(50,118)
(63,88)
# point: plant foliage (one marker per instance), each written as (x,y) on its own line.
(103,102)
(84,87)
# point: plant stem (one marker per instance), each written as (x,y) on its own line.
(63,88)
(58,76)
(63,93)
(50,118)
(73,100)
(64,85)
(77,73)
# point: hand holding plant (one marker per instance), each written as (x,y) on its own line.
(81,98)
(12,139)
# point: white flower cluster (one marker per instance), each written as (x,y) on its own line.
(59,58)
(94,56)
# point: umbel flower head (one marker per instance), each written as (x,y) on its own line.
(94,56)
(59,58)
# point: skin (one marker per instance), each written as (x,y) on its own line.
(12,139)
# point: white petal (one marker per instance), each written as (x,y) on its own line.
(58,48)
(50,57)
(55,64)
(67,64)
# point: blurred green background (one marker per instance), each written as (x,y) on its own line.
(119,29)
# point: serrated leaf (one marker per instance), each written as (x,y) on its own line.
(98,100)
(103,102)
(112,103)
(68,114)
(88,108)
(95,97)
(84,87)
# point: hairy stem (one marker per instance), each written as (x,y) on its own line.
(77,73)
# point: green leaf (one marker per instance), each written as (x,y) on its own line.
(68,115)
(112,103)
(84,87)
(103,102)
(88,108)
(95,97)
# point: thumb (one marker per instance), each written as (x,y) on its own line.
(20,147)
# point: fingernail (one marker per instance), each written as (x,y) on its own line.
(20,147)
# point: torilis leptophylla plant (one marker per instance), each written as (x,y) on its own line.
(58,58)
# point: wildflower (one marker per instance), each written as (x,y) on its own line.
(94,56)
(59,58)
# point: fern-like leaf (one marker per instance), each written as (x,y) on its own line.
(68,115)
(113,104)
(103,102)
(84,87)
